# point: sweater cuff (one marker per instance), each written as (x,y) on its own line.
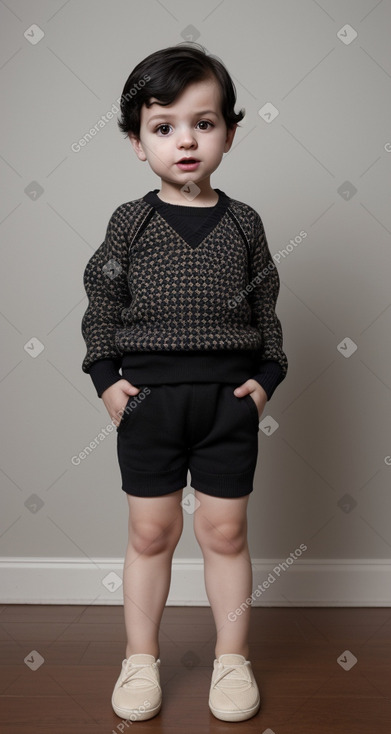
(105,372)
(269,376)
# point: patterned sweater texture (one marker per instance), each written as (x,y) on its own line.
(181,294)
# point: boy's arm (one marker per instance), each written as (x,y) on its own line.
(273,365)
(104,373)
(106,285)
(269,376)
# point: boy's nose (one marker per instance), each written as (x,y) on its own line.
(186,139)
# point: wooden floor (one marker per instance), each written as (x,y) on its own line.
(294,653)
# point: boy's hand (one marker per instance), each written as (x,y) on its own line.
(258,394)
(115,398)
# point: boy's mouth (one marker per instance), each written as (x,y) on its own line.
(188,164)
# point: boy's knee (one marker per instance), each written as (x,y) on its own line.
(150,538)
(227,538)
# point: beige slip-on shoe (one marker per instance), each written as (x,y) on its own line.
(137,693)
(234,694)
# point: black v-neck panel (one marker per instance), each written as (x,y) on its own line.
(192,223)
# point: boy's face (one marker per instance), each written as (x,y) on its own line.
(192,127)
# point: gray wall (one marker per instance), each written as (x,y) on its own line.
(322,477)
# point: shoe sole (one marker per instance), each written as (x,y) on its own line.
(140,715)
(235,715)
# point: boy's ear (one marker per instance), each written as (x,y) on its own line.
(138,148)
(230,137)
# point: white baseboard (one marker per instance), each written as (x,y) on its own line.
(307,583)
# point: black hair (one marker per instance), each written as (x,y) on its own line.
(164,75)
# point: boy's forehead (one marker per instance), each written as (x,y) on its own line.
(201,96)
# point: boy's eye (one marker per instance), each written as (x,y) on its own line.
(165,128)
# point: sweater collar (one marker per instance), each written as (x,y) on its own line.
(152,198)
(183,218)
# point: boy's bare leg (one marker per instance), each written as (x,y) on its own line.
(220,526)
(155,526)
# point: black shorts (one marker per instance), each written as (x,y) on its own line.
(168,429)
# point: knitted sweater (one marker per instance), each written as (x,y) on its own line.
(183,294)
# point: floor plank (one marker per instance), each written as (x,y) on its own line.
(294,654)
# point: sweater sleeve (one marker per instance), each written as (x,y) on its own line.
(273,364)
(269,376)
(105,282)
(104,373)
